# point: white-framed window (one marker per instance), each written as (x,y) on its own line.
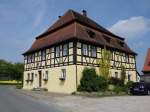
(32,77)
(65,49)
(116,75)
(45,77)
(57,51)
(28,77)
(32,58)
(43,55)
(93,51)
(129,77)
(85,49)
(29,57)
(63,74)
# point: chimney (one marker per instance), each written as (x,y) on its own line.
(59,17)
(84,13)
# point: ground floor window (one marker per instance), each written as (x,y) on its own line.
(63,74)
(129,77)
(32,77)
(28,77)
(116,75)
(45,76)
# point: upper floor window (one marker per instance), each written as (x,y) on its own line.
(57,51)
(93,51)
(32,58)
(85,49)
(43,55)
(65,50)
(25,57)
(29,57)
(111,55)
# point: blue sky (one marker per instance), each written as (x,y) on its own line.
(22,20)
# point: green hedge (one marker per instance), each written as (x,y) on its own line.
(91,82)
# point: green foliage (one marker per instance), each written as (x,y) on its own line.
(123,74)
(18,71)
(129,84)
(90,81)
(115,81)
(104,63)
(119,89)
(10,71)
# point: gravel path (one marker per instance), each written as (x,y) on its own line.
(86,104)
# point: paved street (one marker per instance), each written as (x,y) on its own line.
(13,101)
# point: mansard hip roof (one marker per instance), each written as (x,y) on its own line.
(73,25)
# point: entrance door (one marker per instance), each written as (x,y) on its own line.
(40,78)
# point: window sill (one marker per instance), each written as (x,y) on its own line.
(45,79)
(62,78)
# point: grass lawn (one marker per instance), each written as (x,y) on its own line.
(11,82)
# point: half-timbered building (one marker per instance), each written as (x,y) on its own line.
(57,57)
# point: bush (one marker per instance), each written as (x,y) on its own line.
(115,81)
(129,84)
(91,82)
(102,83)
(119,89)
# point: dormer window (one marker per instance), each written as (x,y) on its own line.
(90,33)
(121,43)
(107,39)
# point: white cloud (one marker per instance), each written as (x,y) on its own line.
(132,27)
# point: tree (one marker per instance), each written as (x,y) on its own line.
(10,71)
(18,69)
(90,81)
(5,70)
(123,74)
(104,63)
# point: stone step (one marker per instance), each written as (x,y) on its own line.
(39,89)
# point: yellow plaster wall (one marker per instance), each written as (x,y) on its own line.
(67,86)
(54,84)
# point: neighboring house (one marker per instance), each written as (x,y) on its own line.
(57,57)
(146,68)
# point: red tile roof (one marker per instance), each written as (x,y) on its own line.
(73,25)
(146,67)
